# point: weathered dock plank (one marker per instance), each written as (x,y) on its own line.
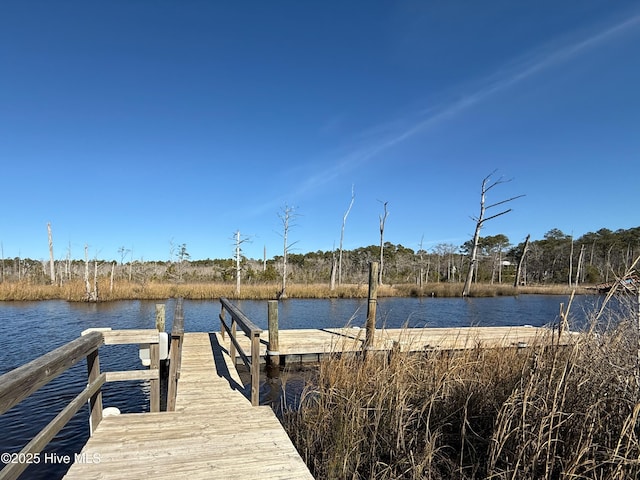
(214,432)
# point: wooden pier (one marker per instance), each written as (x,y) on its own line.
(312,345)
(213,426)
(214,431)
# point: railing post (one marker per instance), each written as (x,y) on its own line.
(154,400)
(175,352)
(95,402)
(273,354)
(222,316)
(232,346)
(255,368)
(160,317)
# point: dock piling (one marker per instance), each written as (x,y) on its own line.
(160,317)
(273,354)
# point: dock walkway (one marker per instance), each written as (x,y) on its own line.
(308,345)
(213,433)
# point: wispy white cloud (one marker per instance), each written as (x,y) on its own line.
(311,176)
(525,67)
(383,137)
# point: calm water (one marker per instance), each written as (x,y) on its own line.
(31,329)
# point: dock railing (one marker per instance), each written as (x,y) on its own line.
(253,332)
(23,381)
(175,355)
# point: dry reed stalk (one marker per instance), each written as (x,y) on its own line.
(74,290)
(541,412)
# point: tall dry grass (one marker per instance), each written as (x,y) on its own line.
(124,290)
(536,413)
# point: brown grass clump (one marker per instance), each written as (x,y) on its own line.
(536,413)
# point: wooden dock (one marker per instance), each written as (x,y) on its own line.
(213,426)
(310,345)
(213,433)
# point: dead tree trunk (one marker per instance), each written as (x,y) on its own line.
(87,285)
(52,268)
(286,216)
(95,279)
(516,281)
(344,221)
(334,268)
(579,266)
(237,262)
(421,269)
(480,221)
(239,240)
(383,219)
(571,263)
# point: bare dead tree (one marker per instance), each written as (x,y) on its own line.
(287,216)
(480,221)
(579,266)
(95,278)
(516,281)
(52,267)
(344,221)
(123,251)
(571,262)
(334,268)
(130,263)
(421,269)
(264,259)
(87,285)
(239,240)
(113,271)
(68,263)
(383,219)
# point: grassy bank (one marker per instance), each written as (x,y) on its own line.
(534,413)
(123,290)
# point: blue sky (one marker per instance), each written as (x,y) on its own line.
(142,124)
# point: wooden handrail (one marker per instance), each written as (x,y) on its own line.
(253,332)
(23,381)
(175,355)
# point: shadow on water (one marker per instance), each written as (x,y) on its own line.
(281,387)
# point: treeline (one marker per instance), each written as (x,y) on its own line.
(557,258)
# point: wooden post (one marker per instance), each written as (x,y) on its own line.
(255,368)
(232,346)
(273,354)
(372,304)
(154,354)
(160,317)
(177,335)
(222,315)
(95,402)
(163,371)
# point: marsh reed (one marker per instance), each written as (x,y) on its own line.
(74,290)
(543,412)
